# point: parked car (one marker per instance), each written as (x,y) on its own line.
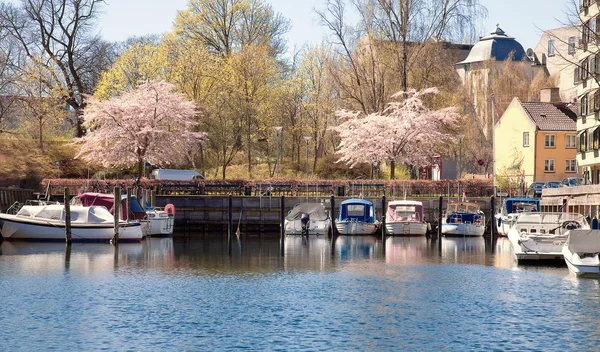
(573,181)
(554,184)
(535,189)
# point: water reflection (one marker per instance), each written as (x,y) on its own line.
(358,248)
(256,254)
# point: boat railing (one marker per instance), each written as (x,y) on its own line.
(14,208)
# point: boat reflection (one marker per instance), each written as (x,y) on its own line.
(312,255)
(408,250)
(464,250)
(358,247)
(503,255)
(45,258)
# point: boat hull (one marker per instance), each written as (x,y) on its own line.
(160,223)
(406,228)
(582,267)
(316,227)
(526,249)
(13,228)
(355,228)
(462,230)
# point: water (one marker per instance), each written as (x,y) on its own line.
(184,295)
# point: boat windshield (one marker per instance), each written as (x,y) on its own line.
(551,218)
(407,216)
(523,207)
(356,210)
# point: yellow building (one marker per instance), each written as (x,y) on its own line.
(536,141)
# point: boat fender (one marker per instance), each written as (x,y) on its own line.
(170,209)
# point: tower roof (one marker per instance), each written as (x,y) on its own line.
(496,46)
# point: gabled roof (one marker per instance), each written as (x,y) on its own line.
(551,116)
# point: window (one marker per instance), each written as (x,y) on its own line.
(551,47)
(550,141)
(549,165)
(572,47)
(583,142)
(526,139)
(571,141)
(571,165)
(583,105)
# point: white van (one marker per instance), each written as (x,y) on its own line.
(175,175)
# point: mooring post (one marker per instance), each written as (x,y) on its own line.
(439,229)
(492,218)
(67,215)
(152,199)
(282,225)
(332,220)
(127,203)
(383,213)
(117,212)
(230,224)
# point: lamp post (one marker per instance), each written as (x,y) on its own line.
(57,163)
(460,139)
(307,139)
(277,133)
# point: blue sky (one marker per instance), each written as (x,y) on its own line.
(522,19)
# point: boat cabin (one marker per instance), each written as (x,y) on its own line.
(136,212)
(520,205)
(357,210)
(463,207)
(405,211)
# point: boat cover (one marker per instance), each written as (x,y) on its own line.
(56,212)
(405,211)
(316,211)
(584,241)
(108,201)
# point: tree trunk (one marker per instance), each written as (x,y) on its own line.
(392,169)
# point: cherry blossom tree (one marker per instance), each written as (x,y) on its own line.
(151,123)
(406,131)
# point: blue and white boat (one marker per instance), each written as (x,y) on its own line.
(463,219)
(511,209)
(357,217)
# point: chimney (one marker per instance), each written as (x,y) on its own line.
(549,95)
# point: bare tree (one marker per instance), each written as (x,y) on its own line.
(59,29)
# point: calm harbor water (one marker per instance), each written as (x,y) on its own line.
(191,295)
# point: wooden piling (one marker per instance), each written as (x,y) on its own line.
(332,216)
(492,218)
(383,213)
(67,215)
(282,226)
(127,204)
(439,230)
(230,224)
(117,212)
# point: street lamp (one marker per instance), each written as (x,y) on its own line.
(277,134)
(307,139)
(459,175)
(57,163)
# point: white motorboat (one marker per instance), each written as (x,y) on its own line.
(581,252)
(154,222)
(463,219)
(406,217)
(541,236)
(315,216)
(511,209)
(47,223)
(357,217)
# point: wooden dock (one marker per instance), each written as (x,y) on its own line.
(256,215)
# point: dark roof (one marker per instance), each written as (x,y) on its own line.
(551,116)
(496,46)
